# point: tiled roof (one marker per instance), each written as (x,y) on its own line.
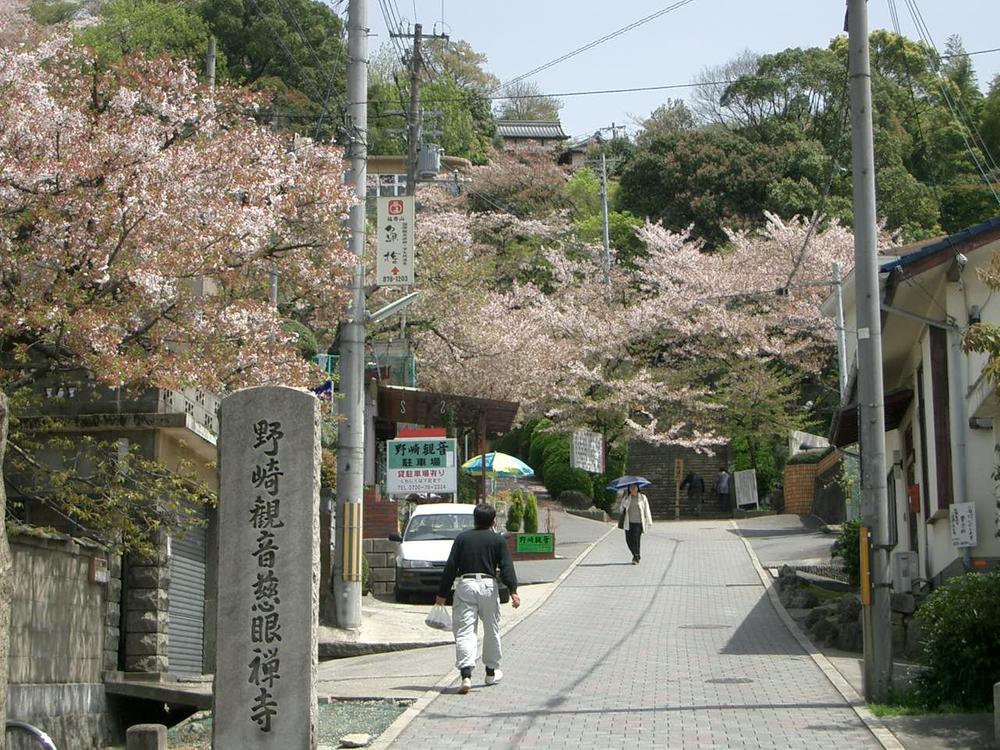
(530,129)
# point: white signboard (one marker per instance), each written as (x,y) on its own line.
(587,451)
(395,241)
(421,465)
(746,488)
(963,525)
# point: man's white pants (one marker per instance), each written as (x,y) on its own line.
(476,598)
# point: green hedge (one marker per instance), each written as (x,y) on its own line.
(808,457)
(960,629)
(560,477)
(540,438)
(515,512)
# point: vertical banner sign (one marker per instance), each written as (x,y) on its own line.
(586,451)
(421,465)
(265,667)
(395,243)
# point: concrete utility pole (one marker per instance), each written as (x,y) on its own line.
(210,62)
(604,216)
(871,414)
(838,289)
(413,116)
(351,430)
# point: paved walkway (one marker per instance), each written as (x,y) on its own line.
(683,650)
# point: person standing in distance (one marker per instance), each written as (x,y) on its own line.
(722,488)
(636,518)
(478,557)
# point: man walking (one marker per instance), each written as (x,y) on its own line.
(478,558)
(722,488)
(695,489)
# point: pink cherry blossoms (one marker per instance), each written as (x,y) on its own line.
(141,216)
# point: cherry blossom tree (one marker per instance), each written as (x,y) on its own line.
(645,354)
(141,216)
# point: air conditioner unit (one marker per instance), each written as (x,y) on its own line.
(905,567)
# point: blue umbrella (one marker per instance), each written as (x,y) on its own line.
(622,482)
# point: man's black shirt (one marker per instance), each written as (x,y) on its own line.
(479,551)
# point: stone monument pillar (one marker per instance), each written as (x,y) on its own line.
(268,571)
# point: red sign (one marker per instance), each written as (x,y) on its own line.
(395,208)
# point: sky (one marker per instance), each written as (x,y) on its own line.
(520,35)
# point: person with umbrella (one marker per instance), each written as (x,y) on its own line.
(635,517)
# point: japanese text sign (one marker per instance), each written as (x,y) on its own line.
(395,244)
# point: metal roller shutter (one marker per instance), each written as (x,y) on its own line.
(186,628)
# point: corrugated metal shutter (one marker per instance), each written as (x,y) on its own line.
(186,628)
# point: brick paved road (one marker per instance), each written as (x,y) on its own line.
(681,651)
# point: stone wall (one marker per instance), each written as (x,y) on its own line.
(656,463)
(800,483)
(147,582)
(63,636)
(381,555)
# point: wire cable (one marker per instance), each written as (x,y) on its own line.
(596,42)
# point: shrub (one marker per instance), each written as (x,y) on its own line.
(540,437)
(531,513)
(807,457)
(515,513)
(960,625)
(617,457)
(366,575)
(848,546)
(560,477)
(574,499)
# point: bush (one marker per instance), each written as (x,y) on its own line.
(617,457)
(531,513)
(366,575)
(560,477)
(808,457)
(515,513)
(848,546)
(574,499)
(540,437)
(960,625)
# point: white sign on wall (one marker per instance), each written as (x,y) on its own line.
(746,488)
(395,229)
(963,524)
(587,451)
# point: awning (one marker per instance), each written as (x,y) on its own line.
(844,430)
(398,403)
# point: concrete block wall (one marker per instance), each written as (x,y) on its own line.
(62,639)
(800,484)
(656,463)
(147,600)
(381,555)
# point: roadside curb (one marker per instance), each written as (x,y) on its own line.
(384,740)
(879,731)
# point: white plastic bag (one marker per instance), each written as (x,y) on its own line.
(438,618)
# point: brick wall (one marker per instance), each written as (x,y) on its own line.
(800,483)
(63,636)
(381,517)
(829,500)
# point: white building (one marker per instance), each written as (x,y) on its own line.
(940,410)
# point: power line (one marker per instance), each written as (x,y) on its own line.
(596,42)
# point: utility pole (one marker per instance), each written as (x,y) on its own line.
(871,415)
(351,429)
(838,289)
(413,116)
(210,63)
(604,216)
